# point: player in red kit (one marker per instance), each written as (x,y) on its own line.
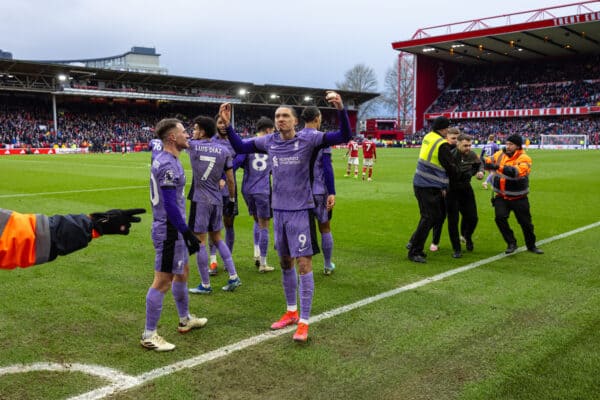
(352,155)
(369,150)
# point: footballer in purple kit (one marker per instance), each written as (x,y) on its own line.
(171,236)
(256,190)
(210,160)
(292,154)
(323,187)
(155,146)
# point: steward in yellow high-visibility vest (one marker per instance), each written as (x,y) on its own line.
(434,168)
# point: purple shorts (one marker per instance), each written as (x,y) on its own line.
(321,212)
(171,256)
(259,205)
(205,217)
(294,233)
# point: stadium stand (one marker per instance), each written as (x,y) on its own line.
(534,73)
(26,121)
(45,105)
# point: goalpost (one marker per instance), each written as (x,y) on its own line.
(564,142)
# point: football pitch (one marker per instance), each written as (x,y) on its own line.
(486,326)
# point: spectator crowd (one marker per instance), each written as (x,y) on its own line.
(26,121)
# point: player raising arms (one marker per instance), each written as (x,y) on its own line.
(323,187)
(293,200)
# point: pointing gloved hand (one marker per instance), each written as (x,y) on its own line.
(115,221)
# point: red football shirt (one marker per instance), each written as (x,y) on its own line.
(353,148)
(368,149)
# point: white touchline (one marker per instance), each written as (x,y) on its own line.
(121,382)
(5,196)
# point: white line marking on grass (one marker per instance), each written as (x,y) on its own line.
(121,382)
(5,196)
(109,374)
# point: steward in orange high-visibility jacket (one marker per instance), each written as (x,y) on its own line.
(29,239)
(511,167)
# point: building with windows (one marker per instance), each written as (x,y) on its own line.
(138,59)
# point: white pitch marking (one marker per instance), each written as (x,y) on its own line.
(109,374)
(4,196)
(122,382)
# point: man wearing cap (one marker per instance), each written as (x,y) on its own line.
(511,168)
(430,183)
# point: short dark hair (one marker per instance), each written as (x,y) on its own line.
(264,123)
(310,113)
(464,136)
(440,123)
(292,109)
(164,126)
(208,124)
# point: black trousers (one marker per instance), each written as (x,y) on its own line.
(461,202)
(520,207)
(431,208)
(436,233)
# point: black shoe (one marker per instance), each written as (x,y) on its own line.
(422,254)
(457,254)
(417,258)
(511,248)
(469,245)
(536,250)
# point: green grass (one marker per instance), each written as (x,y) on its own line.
(523,327)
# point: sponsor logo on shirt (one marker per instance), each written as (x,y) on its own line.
(291,160)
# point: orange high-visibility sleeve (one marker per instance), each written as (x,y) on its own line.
(17,241)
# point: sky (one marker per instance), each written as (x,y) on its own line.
(309,43)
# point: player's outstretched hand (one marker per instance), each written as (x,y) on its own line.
(191,241)
(113,222)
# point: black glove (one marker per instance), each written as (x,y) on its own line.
(191,241)
(116,221)
(229,207)
(491,166)
(510,171)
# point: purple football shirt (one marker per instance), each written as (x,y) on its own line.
(291,160)
(318,185)
(257,174)
(166,171)
(156,146)
(209,160)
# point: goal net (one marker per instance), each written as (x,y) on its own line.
(564,142)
